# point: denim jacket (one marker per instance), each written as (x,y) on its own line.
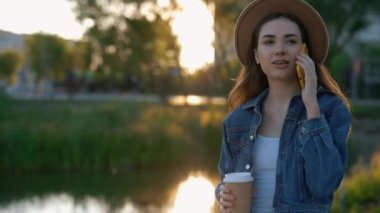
(312,153)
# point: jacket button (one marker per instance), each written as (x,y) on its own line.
(251,138)
(247,166)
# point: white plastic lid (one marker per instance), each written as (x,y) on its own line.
(238,177)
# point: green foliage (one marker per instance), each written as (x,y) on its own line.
(10,61)
(137,49)
(78,56)
(366,111)
(225,16)
(340,64)
(110,137)
(343,27)
(371,50)
(47,54)
(362,187)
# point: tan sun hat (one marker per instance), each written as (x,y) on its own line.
(258,9)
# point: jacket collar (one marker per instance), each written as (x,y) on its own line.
(254,102)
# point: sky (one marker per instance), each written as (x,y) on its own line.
(195,32)
(48,16)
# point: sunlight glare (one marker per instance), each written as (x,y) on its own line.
(195,100)
(192,100)
(196,194)
(193,26)
(163,3)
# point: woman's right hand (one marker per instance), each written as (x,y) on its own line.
(226,199)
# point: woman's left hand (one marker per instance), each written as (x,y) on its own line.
(309,92)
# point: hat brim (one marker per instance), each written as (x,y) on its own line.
(257,10)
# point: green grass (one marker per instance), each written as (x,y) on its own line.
(105,136)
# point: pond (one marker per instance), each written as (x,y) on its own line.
(143,192)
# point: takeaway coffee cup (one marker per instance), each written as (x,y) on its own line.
(240,184)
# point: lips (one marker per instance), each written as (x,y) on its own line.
(280,62)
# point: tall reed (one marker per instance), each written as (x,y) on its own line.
(105,136)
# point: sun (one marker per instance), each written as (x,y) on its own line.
(193,26)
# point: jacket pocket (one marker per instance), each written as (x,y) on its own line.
(304,192)
(237,139)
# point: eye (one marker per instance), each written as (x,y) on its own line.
(292,41)
(268,42)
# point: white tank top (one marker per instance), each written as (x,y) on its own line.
(265,158)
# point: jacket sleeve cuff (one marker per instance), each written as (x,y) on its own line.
(314,126)
(217,191)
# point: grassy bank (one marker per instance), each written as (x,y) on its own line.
(105,136)
(117,137)
(120,136)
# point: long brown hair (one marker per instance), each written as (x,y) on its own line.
(252,80)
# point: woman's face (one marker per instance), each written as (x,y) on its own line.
(278,44)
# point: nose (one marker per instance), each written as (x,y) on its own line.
(280,50)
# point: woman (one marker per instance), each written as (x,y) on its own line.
(292,139)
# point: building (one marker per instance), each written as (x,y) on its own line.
(365,63)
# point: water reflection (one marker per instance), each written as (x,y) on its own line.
(195,194)
(195,100)
(56,203)
(63,203)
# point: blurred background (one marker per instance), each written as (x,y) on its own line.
(117,105)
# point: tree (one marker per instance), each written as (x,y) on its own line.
(10,61)
(226,65)
(344,19)
(80,54)
(47,55)
(134,43)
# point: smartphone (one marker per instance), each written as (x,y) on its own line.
(300,72)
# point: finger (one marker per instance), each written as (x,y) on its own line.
(307,66)
(225,193)
(225,189)
(226,203)
(305,59)
(304,55)
(226,196)
(225,209)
